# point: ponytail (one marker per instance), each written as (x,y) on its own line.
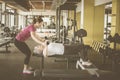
(38,19)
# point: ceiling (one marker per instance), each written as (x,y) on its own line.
(26,5)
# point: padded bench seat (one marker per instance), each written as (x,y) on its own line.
(5,42)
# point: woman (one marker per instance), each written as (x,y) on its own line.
(21,37)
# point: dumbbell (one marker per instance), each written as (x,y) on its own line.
(116,38)
(110,38)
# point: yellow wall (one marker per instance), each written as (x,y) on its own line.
(115,16)
(118,14)
(88,20)
(98,30)
(115,19)
(78,15)
(114,11)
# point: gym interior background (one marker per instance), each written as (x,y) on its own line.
(62,21)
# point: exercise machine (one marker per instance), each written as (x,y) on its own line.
(67,7)
(5,42)
(83,72)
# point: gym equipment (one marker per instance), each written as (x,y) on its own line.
(111,54)
(67,7)
(7,32)
(64,33)
(115,38)
(80,34)
(84,48)
(87,73)
(94,71)
(89,66)
(5,42)
(110,38)
(67,57)
(6,29)
(74,49)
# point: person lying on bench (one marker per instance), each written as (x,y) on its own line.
(59,49)
(51,49)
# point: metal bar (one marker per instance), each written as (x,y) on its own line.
(41,0)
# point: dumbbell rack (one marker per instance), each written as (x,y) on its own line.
(115,53)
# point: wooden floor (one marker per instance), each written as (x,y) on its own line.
(11,64)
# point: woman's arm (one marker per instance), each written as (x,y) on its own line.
(41,41)
(37,39)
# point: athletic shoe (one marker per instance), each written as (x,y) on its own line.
(81,60)
(27,72)
(87,63)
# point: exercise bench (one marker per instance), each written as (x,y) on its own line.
(5,42)
(74,74)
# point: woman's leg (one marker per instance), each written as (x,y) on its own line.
(22,46)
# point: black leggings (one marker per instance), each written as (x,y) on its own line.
(23,47)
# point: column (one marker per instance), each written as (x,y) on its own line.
(115,17)
(98,28)
(88,20)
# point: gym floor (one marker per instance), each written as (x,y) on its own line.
(11,64)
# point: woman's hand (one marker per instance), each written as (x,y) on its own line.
(45,43)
